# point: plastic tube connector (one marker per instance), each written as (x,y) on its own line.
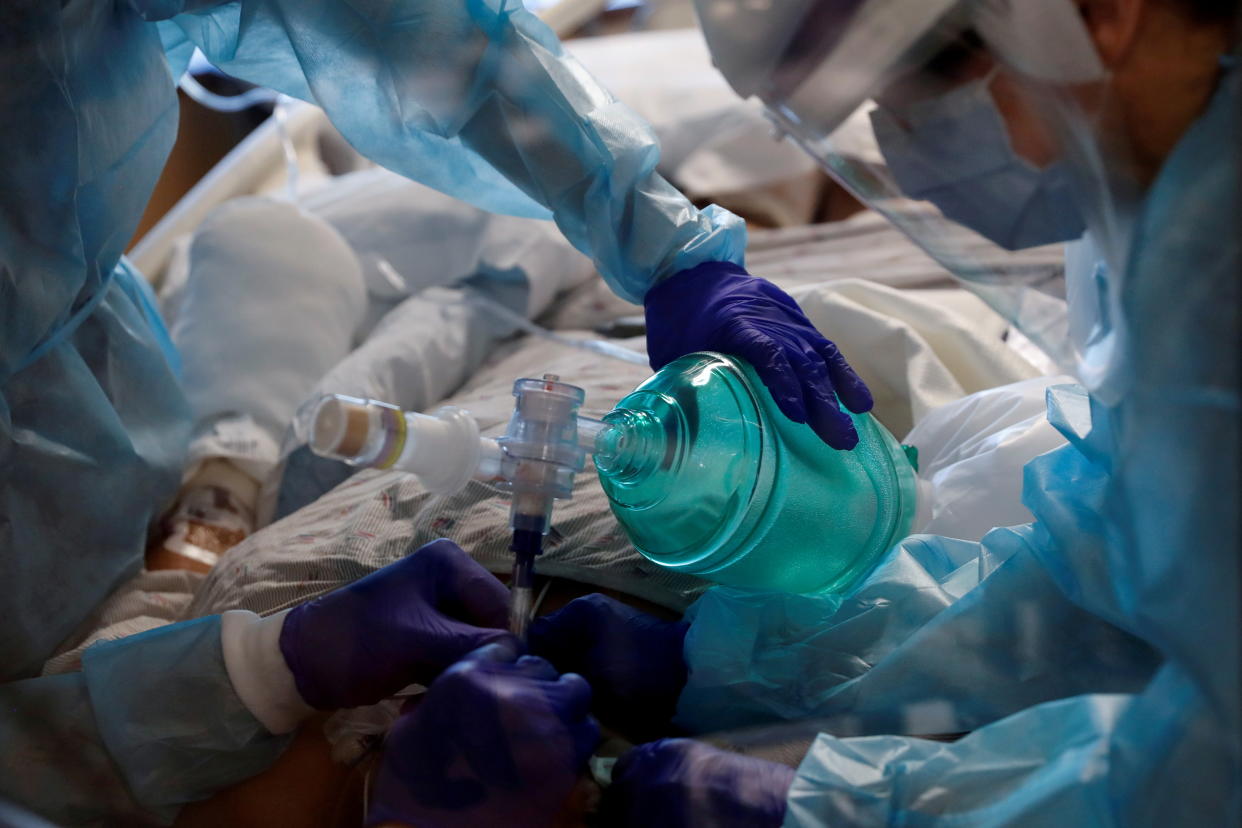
(542,450)
(444,449)
(591,432)
(545,445)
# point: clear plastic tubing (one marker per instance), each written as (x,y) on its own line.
(443,449)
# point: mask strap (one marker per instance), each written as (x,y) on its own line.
(69,326)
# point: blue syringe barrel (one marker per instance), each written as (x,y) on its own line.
(526,546)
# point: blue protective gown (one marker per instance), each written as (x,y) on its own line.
(473,97)
(1094,653)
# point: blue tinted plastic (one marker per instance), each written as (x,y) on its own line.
(708,477)
(150,723)
(478,100)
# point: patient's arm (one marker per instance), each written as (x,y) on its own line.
(303,788)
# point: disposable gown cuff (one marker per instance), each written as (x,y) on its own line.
(260,676)
(170,718)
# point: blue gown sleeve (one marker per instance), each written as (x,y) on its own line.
(151,723)
(476,99)
(1074,720)
(54,761)
(1083,676)
(945,636)
(1150,759)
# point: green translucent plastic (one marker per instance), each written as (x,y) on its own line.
(709,477)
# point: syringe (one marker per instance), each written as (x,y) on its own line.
(526,546)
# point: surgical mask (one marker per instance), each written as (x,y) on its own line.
(956,154)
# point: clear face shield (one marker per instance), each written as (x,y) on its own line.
(975,126)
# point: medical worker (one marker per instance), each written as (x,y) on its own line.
(1088,661)
(473,97)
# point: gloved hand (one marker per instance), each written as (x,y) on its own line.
(496,741)
(402,624)
(718,306)
(676,783)
(632,660)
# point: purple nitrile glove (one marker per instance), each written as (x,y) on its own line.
(678,783)
(632,660)
(497,740)
(401,624)
(720,307)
